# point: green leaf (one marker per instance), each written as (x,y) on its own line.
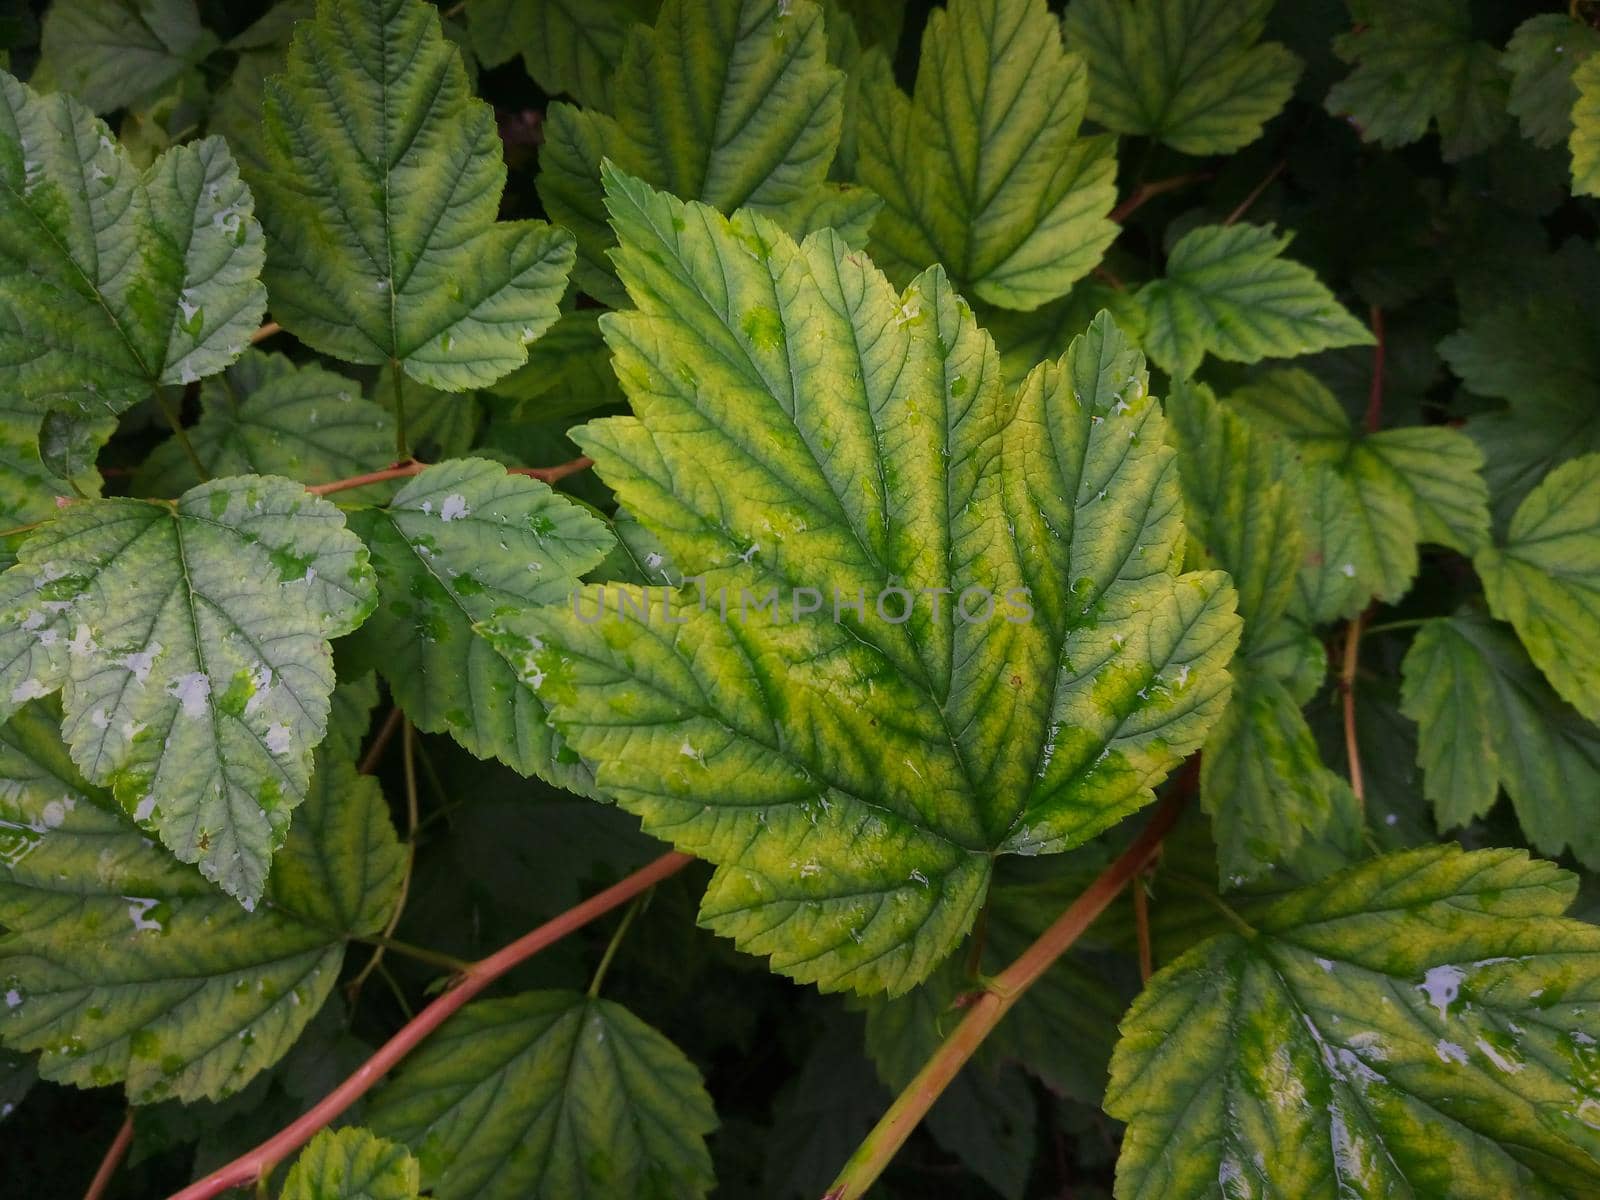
(1228,293)
(730,102)
(123,966)
(853,774)
(1545,579)
(1367,499)
(191,643)
(266,416)
(568,371)
(1026,339)
(1263,781)
(1586,129)
(1485,717)
(379,183)
(115,53)
(463,542)
(606,1106)
(1541,57)
(1421,1025)
(1416,64)
(352,1164)
(981,168)
(439,425)
(1189,73)
(570,47)
(17,1078)
(114,283)
(1239,502)
(28,489)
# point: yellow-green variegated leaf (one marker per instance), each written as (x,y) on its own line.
(981,169)
(380,179)
(1227,292)
(730,102)
(1191,73)
(464,542)
(114,282)
(190,642)
(605,1105)
(806,434)
(352,1164)
(1541,57)
(1423,1024)
(1585,140)
(1486,719)
(123,966)
(1545,579)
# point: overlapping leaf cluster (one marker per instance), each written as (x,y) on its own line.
(945,490)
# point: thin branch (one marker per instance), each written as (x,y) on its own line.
(1249,201)
(246,1169)
(101,1184)
(386,732)
(433,958)
(410,467)
(408,741)
(904,1115)
(1347,688)
(1147,192)
(623,926)
(1141,926)
(1374,418)
(266,331)
(164,403)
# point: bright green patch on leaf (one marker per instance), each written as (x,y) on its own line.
(1422,1024)
(113,282)
(853,772)
(1228,293)
(606,1106)
(1545,579)
(981,169)
(267,416)
(1485,717)
(465,542)
(1541,57)
(1417,64)
(380,180)
(730,102)
(123,966)
(352,1164)
(115,53)
(1585,140)
(1191,73)
(191,644)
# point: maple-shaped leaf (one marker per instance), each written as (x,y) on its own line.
(1367,499)
(113,282)
(570,47)
(190,641)
(1262,779)
(1544,578)
(115,53)
(1486,718)
(266,416)
(804,431)
(1423,1024)
(124,966)
(352,1164)
(461,543)
(1585,141)
(1541,57)
(1191,73)
(380,179)
(981,169)
(755,112)
(1417,64)
(1227,292)
(606,1105)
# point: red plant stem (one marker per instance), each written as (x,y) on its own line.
(407,469)
(1248,202)
(246,1169)
(101,1184)
(906,1113)
(1147,192)
(1375,395)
